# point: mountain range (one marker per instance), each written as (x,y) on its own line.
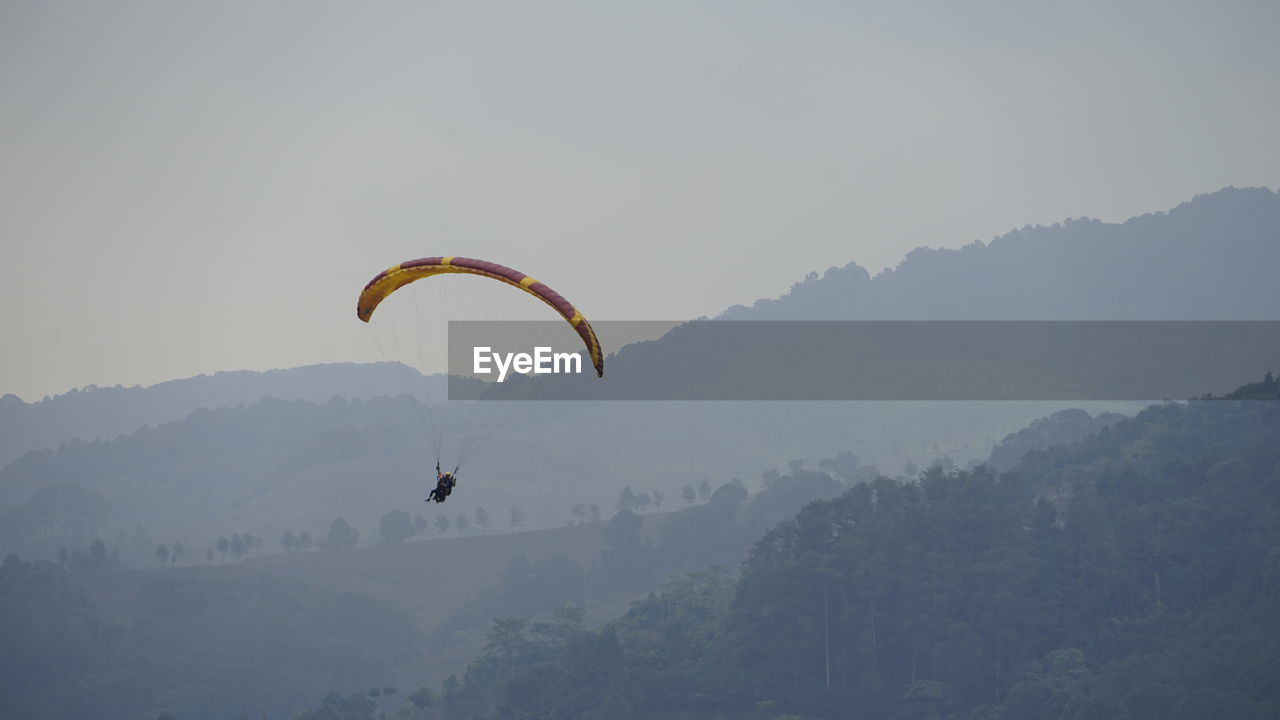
(291,449)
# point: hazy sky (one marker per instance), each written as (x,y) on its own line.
(190,187)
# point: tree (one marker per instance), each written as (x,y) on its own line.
(304,540)
(507,637)
(845,466)
(517,517)
(162,554)
(571,615)
(442,523)
(461,523)
(288,540)
(420,524)
(422,699)
(579,513)
(98,554)
(658,497)
(178,550)
(593,513)
(688,494)
(1050,686)
(932,699)
(704,490)
(627,500)
(396,527)
(238,546)
(79,561)
(341,535)
(627,554)
(482,519)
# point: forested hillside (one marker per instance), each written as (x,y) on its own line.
(1076,585)
(1130,575)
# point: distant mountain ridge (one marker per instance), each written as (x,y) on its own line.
(1211,258)
(93,412)
(274,465)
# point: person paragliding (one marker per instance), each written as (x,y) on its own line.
(445,482)
(396,277)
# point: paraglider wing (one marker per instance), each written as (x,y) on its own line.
(394,278)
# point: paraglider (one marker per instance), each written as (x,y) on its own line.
(387,282)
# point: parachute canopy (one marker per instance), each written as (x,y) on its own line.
(396,277)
